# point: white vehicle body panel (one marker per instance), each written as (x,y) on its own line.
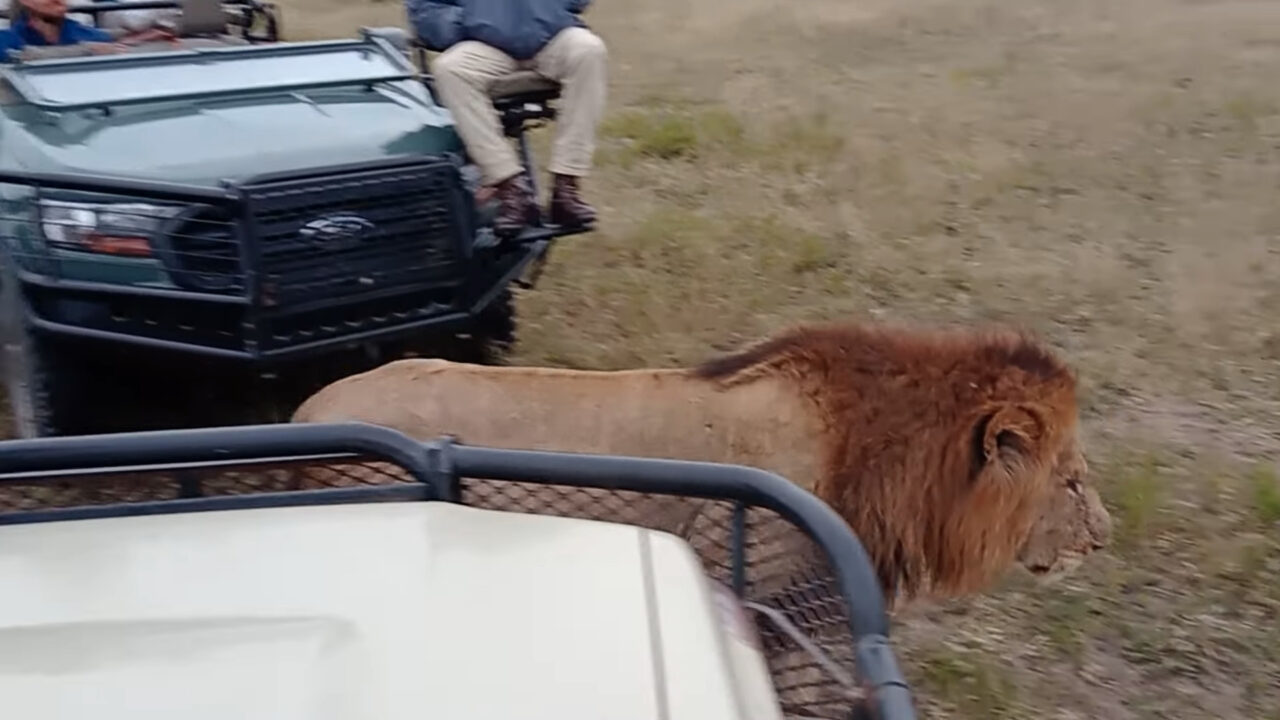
(382,610)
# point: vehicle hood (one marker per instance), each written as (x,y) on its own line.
(229,139)
(383,610)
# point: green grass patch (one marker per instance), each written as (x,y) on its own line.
(1266,493)
(1066,623)
(664,136)
(670,132)
(970,683)
(1135,496)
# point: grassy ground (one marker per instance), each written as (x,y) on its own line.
(1103,172)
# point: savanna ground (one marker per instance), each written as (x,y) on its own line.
(1105,173)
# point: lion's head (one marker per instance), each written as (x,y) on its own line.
(952,454)
(1026,497)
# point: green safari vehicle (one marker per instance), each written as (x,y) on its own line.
(203,232)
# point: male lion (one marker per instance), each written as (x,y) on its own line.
(951,454)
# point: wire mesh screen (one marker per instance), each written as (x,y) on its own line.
(133,486)
(800,613)
(337,235)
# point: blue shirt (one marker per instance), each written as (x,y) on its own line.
(20,34)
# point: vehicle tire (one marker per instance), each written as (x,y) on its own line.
(45,388)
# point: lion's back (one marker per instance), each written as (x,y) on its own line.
(645,413)
(365,394)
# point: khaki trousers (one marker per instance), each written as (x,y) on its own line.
(575,57)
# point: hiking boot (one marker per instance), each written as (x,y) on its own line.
(517,208)
(567,207)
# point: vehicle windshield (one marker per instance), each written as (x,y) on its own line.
(122,79)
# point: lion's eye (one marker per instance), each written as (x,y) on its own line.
(1074,485)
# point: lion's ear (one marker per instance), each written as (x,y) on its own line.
(1009,434)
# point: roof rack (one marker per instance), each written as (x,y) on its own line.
(81,83)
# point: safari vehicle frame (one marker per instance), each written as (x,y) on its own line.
(243,14)
(278,277)
(819,614)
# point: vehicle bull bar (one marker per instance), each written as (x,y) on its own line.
(223,291)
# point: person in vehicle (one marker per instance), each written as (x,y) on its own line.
(483,40)
(136,21)
(44,23)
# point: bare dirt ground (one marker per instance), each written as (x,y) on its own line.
(1103,172)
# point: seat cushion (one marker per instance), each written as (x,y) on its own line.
(524,83)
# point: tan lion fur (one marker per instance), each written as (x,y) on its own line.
(952,454)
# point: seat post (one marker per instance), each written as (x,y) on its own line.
(202,17)
(531,172)
(522,98)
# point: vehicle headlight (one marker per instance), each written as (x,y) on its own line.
(110,228)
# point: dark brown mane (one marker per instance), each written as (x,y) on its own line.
(907,412)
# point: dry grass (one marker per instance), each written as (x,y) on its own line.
(1102,172)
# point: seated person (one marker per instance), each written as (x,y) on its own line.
(136,21)
(483,40)
(45,22)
